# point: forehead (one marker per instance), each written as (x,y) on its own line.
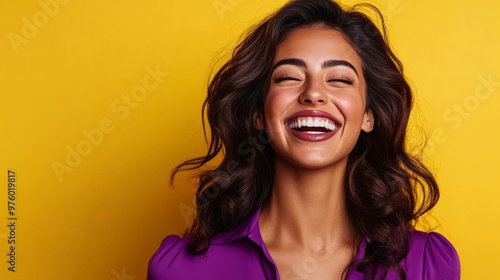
(316,44)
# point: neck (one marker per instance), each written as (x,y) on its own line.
(307,208)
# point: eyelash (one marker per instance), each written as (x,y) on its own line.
(284,78)
(344,80)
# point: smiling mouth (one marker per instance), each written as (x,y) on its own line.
(312,125)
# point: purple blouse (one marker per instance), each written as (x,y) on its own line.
(242,254)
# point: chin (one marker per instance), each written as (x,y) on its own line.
(316,163)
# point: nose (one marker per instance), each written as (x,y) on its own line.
(313,94)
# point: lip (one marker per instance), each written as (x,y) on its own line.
(308,136)
(312,113)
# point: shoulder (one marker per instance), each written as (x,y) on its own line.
(222,260)
(170,256)
(437,257)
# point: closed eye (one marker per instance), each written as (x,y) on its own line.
(342,80)
(285,78)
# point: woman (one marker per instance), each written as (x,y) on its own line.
(310,118)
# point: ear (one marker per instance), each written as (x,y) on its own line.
(368,121)
(258,121)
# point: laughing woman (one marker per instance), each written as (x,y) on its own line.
(310,116)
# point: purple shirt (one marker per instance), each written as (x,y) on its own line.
(242,254)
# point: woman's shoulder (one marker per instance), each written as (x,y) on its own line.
(431,256)
(226,258)
(231,254)
(171,255)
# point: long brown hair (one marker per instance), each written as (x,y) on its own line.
(387,188)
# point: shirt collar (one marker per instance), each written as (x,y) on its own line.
(249,228)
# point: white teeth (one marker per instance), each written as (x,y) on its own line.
(314,132)
(312,122)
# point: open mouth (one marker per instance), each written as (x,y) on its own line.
(312,125)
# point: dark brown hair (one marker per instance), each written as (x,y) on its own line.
(387,188)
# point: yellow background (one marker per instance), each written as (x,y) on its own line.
(73,72)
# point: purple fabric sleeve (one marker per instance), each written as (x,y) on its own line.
(160,263)
(440,259)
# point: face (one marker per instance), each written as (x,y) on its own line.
(314,109)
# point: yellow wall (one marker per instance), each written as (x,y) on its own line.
(108,93)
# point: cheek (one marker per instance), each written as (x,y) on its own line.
(276,104)
(275,107)
(352,106)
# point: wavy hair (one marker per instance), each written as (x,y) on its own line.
(387,188)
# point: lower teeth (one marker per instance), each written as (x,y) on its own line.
(314,132)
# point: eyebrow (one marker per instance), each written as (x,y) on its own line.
(326,64)
(333,63)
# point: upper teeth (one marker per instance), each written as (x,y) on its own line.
(312,122)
